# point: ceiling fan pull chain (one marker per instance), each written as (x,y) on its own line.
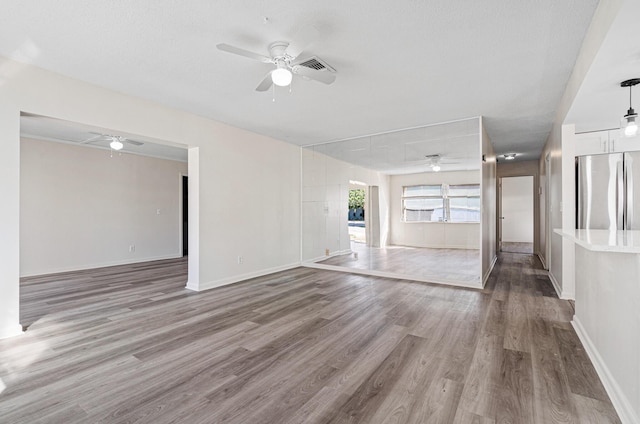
(273,88)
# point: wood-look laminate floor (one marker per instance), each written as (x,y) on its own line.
(517,247)
(129,344)
(460,265)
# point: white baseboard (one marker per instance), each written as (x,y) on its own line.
(561,294)
(237,278)
(621,403)
(556,285)
(486,275)
(331,255)
(100,265)
(374,273)
(544,264)
(10,331)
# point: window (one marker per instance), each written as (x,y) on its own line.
(441,203)
(464,203)
(423,203)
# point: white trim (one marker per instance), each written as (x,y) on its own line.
(544,264)
(102,265)
(555,283)
(10,331)
(374,273)
(230,280)
(566,295)
(488,273)
(621,403)
(331,255)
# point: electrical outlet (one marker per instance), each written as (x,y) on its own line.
(240,260)
(132,248)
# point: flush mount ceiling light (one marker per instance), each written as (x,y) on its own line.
(509,156)
(435,168)
(629,123)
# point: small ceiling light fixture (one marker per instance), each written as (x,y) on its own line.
(629,120)
(509,156)
(116,144)
(281,76)
(435,168)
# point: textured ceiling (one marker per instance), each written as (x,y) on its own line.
(399,64)
(57,130)
(454,146)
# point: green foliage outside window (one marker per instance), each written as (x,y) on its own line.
(356,198)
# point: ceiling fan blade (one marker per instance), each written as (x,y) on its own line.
(242,52)
(265,84)
(301,40)
(134,142)
(90,139)
(321,76)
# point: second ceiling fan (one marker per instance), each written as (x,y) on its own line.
(283,55)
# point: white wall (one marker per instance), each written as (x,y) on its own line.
(517,209)
(82,208)
(604,285)
(607,321)
(562,179)
(325,203)
(236,172)
(431,234)
(488,202)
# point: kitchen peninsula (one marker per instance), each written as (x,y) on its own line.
(607,317)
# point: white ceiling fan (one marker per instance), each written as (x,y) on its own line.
(283,55)
(116,142)
(434,161)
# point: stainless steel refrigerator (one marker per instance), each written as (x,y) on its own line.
(607,186)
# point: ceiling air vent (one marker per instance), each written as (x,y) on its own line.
(317,64)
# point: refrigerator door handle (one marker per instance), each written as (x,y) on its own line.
(628,190)
(620,190)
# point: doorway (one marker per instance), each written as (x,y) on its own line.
(516,214)
(185,216)
(356,220)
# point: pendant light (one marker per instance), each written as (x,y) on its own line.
(629,124)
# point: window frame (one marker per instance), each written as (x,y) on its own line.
(445,196)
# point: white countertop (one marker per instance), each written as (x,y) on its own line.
(605,240)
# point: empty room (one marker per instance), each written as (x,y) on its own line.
(319,212)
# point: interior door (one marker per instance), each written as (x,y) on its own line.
(516,214)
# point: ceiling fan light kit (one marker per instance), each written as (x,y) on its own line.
(281,76)
(116,145)
(629,123)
